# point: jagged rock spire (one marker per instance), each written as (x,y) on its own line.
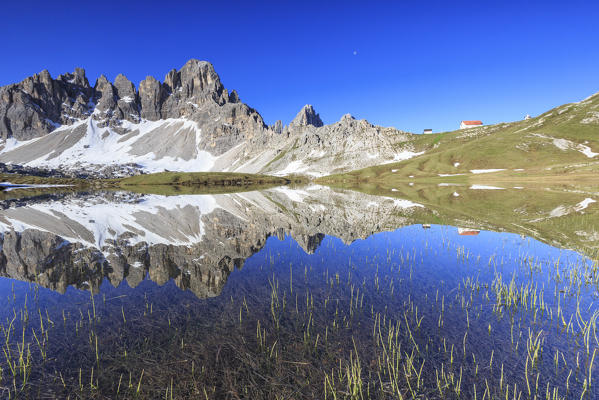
(124,87)
(307,116)
(150,94)
(277,127)
(105,95)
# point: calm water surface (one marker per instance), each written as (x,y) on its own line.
(308,293)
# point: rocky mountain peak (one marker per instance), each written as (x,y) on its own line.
(38,104)
(150,95)
(102,82)
(77,78)
(79,73)
(128,100)
(45,76)
(124,87)
(172,80)
(234,97)
(277,127)
(38,85)
(194,63)
(198,79)
(203,118)
(347,117)
(105,96)
(307,116)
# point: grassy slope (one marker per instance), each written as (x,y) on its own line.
(506,145)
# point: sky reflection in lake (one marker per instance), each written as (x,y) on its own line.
(421,310)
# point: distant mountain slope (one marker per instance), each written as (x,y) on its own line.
(561,141)
(189,122)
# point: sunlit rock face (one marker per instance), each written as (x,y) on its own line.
(187,122)
(197,241)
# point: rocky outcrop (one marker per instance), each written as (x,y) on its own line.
(127,106)
(188,122)
(307,116)
(277,127)
(150,97)
(39,104)
(105,98)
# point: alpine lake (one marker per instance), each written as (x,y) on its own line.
(308,292)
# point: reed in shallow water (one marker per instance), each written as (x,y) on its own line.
(359,327)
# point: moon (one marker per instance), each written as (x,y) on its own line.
(355,52)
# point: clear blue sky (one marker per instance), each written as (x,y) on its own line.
(411,65)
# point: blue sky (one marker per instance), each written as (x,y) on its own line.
(412,65)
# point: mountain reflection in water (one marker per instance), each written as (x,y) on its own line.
(197,240)
(334,283)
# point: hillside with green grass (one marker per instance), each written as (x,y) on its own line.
(562,142)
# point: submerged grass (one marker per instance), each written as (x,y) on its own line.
(337,325)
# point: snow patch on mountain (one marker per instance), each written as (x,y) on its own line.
(406,155)
(294,167)
(486,171)
(155,146)
(565,144)
(485,187)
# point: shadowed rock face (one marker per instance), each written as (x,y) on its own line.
(197,241)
